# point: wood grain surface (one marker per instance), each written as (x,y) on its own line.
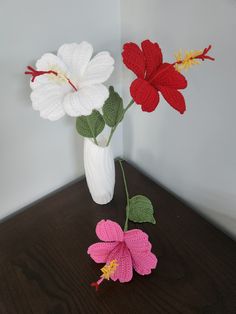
(44,267)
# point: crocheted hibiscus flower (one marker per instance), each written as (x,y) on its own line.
(70,82)
(153,77)
(124,250)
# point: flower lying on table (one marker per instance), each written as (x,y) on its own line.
(130,249)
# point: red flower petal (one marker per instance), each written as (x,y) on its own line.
(153,56)
(174,98)
(169,77)
(144,94)
(133,58)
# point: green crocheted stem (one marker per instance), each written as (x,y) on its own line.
(129,105)
(127,196)
(114,128)
(111,134)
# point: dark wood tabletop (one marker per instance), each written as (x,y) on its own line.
(44,267)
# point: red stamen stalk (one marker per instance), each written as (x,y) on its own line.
(72,85)
(204,56)
(36,73)
(97,283)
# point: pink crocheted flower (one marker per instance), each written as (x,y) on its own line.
(130,249)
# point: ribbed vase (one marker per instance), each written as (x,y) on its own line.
(99,171)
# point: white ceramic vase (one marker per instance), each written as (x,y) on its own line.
(99,171)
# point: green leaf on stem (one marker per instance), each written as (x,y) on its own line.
(113,110)
(90,126)
(141,209)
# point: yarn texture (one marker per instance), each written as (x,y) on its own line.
(131,250)
(70,82)
(153,77)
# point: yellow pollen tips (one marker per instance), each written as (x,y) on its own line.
(187,60)
(60,77)
(109,269)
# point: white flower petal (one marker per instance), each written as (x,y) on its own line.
(85,100)
(98,70)
(76,57)
(48,62)
(48,99)
(53,95)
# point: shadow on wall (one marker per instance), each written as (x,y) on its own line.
(219,205)
(219,208)
(78,147)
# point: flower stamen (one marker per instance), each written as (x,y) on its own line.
(72,85)
(190,58)
(36,73)
(185,62)
(107,271)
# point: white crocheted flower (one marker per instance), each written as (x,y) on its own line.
(70,82)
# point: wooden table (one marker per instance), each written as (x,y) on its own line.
(44,267)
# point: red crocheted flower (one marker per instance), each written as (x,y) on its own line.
(153,76)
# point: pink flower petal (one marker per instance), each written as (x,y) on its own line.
(137,241)
(108,230)
(124,271)
(143,263)
(100,251)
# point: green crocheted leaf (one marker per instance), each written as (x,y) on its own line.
(90,126)
(113,110)
(141,209)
